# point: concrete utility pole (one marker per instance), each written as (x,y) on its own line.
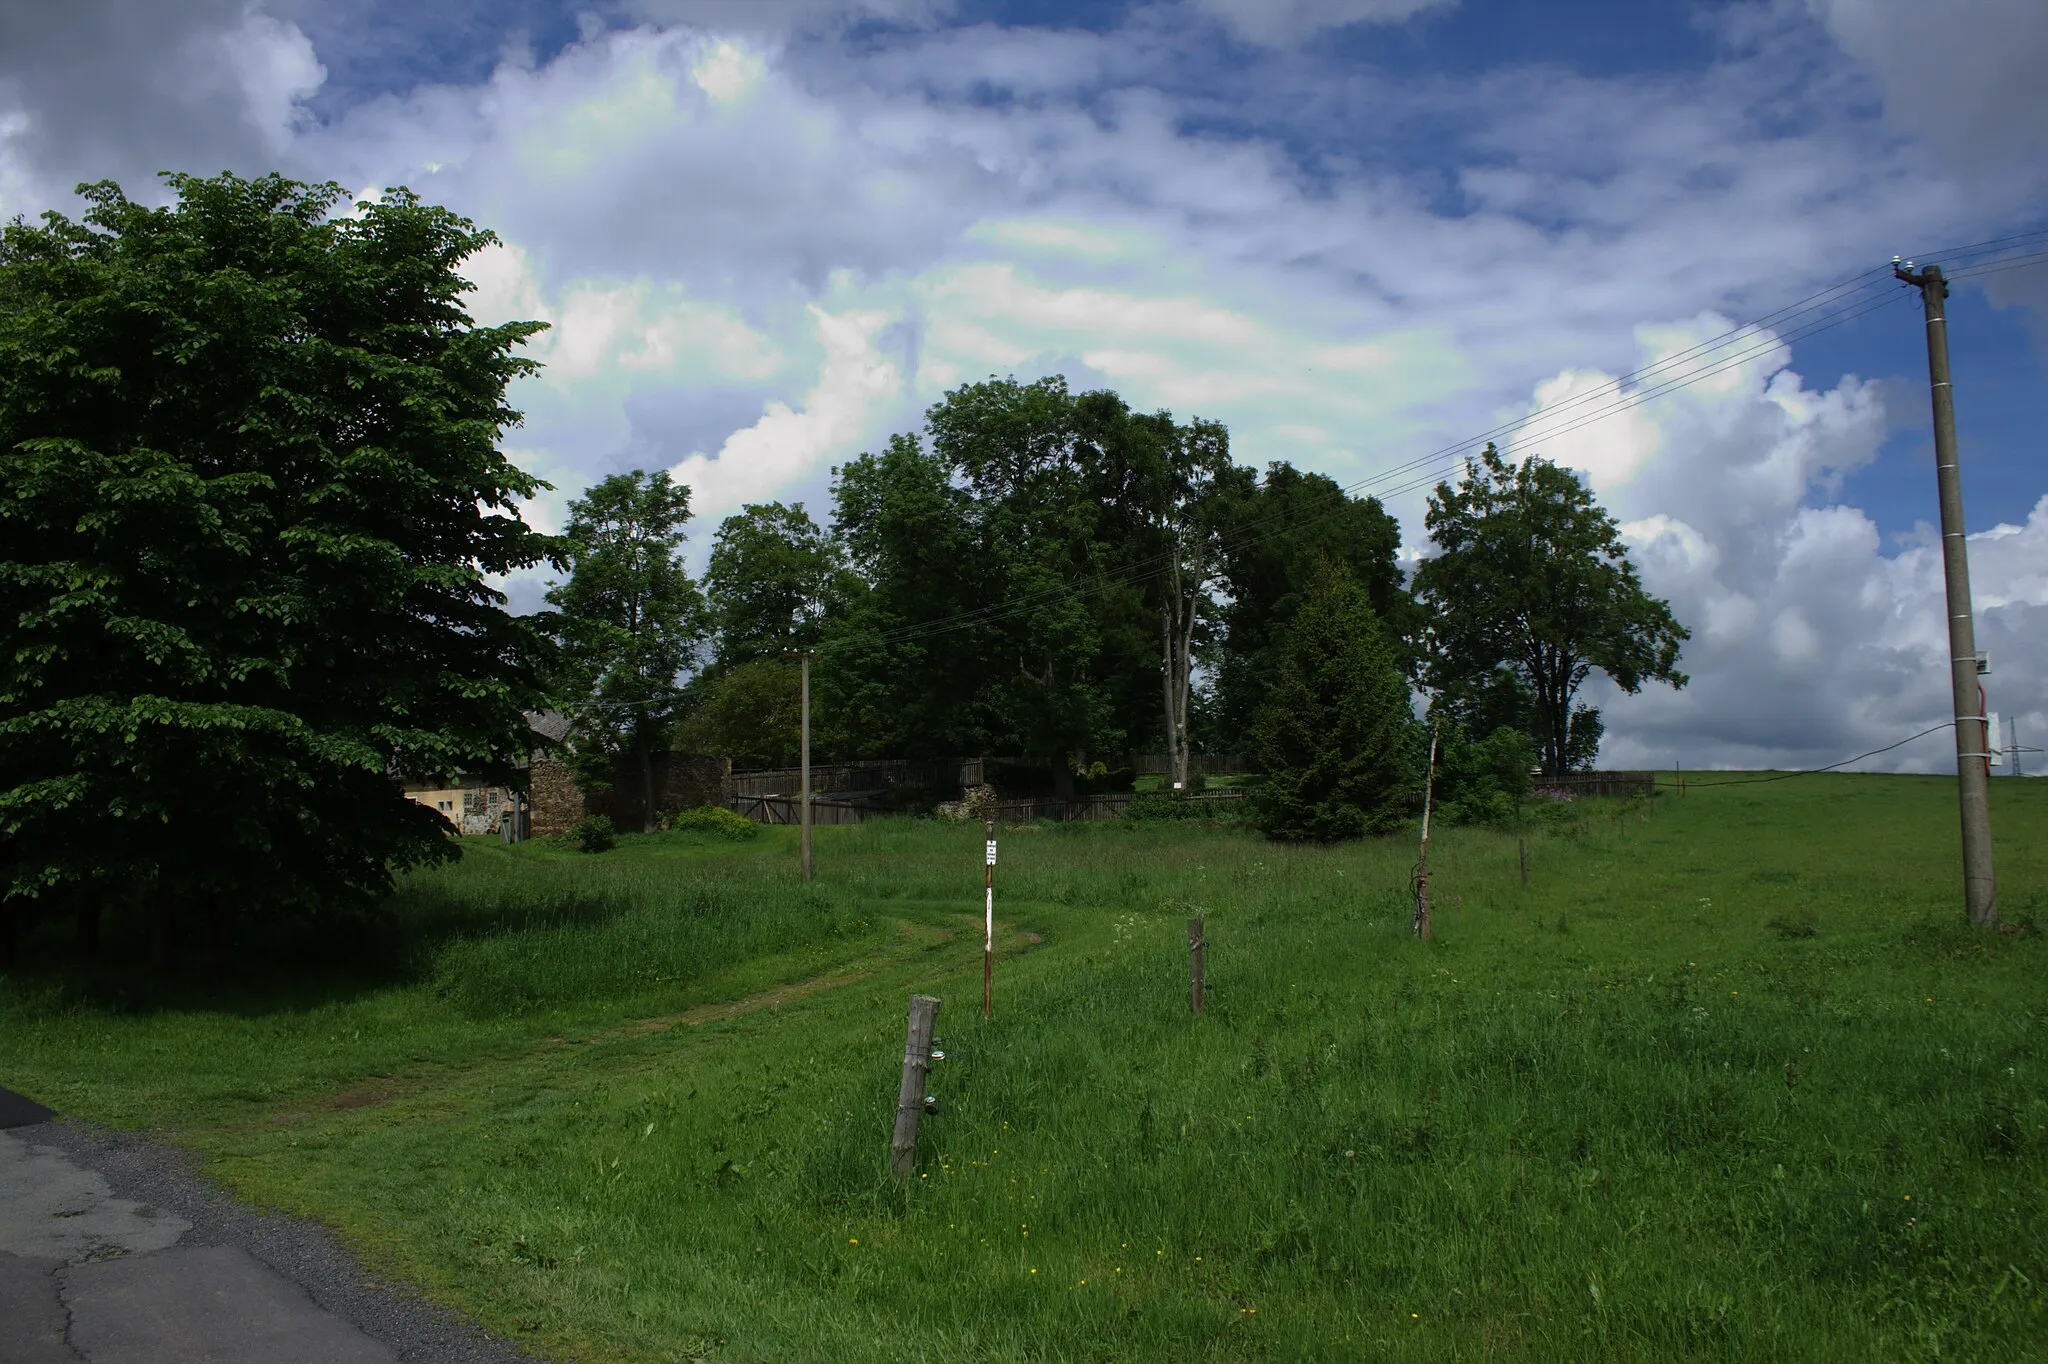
(1973,741)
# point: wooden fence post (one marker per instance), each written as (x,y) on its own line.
(1197,944)
(917,1063)
(1522,851)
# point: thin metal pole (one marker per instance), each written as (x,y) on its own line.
(988,932)
(807,765)
(1973,747)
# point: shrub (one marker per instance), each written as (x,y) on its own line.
(594,834)
(716,819)
(1482,781)
(1170,805)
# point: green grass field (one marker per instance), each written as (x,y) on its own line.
(1732,1081)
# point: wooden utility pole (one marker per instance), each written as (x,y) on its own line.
(1197,946)
(1973,741)
(988,931)
(917,1064)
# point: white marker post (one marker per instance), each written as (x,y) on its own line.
(988,936)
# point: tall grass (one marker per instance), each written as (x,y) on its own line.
(1732,1082)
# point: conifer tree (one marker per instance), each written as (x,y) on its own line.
(1335,732)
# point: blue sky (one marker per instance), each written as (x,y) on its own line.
(768,232)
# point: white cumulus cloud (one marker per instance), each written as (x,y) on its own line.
(1809,642)
(855,387)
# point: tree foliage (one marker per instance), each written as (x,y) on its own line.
(1334,732)
(991,608)
(630,622)
(250,493)
(1481,781)
(1278,533)
(767,583)
(750,713)
(1531,586)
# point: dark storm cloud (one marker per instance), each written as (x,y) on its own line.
(124,88)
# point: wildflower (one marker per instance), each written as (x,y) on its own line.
(854,1240)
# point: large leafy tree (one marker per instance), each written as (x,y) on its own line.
(1165,488)
(630,623)
(1334,731)
(772,577)
(767,583)
(885,687)
(1060,627)
(1277,534)
(1529,591)
(250,496)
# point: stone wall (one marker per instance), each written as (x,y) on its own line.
(682,781)
(555,802)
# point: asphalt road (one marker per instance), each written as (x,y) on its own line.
(112,1251)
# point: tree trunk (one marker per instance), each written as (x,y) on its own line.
(87,921)
(220,938)
(1177,629)
(1166,634)
(11,917)
(1182,683)
(163,938)
(646,786)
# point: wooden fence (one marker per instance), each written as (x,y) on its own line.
(1092,807)
(946,774)
(1623,784)
(1208,764)
(789,809)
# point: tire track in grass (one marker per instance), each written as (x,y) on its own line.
(912,940)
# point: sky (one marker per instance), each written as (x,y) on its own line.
(1364,234)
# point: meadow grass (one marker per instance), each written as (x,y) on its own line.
(1729,1080)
